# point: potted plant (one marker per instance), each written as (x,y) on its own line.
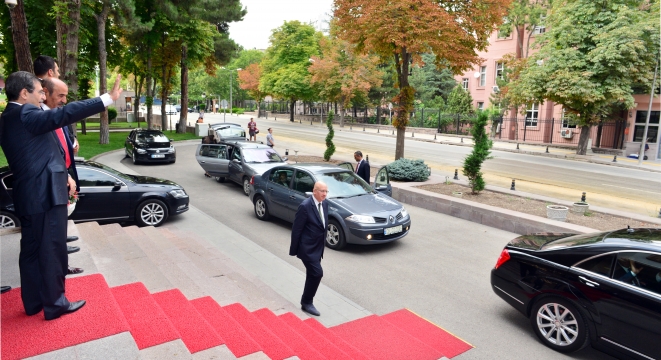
(557,212)
(580,207)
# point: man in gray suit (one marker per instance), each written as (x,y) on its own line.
(40,192)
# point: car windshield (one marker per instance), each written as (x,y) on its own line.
(231,132)
(576,240)
(260,156)
(152,137)
(344,184)
(110,170)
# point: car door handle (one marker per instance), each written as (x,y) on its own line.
(203,162)
(587,282)
(292,197)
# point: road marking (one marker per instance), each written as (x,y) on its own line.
(622,187)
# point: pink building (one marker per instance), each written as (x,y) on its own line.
(544,122)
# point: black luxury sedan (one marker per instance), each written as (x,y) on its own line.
(149,146)
(357,214)
(602,289)
(108,195)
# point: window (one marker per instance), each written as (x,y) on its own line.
(483,75)
(261,155)
(565,122)
(640,269)
(652,131)
(540,29)
(464,83)
(88,178)
(500,68)
(281,176)
(532,115)
(216,152)
(303,182)
(236,154)
(601,265)
(480,105)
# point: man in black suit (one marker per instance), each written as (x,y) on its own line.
(40,191)
(363,167)
(308,236)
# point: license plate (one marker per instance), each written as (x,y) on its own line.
(392,230)
(156,156)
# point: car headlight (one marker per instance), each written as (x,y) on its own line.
(404,213)
(361,219)
(171,150)
(141,151)
(179,193)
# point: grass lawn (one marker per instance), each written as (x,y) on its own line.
(117,125)
(89,144)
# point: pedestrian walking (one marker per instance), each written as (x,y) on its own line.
(269,138)
(363,167)
(307,242)
(252,130)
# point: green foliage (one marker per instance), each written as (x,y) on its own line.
(2,107)
(429,82)
(238,110)
(459,102)
(330,147)
(473,162)
(408,170)
(112,114)
(202,106)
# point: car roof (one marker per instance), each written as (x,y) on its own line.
(631,238)
(317,168)
(245,144)
(149,131)
(217,125)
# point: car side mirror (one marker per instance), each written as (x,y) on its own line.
(308,194)
(236,161)
(118,185)
(285,158)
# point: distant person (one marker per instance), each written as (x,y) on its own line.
(201,118)
(308,236)
(363,167)
(252,130)
(269,138)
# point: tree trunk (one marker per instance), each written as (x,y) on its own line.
(583,140)
(291,111)
(149,96)
(19,34)
(184,90)
(70,72)
(399,143)
(164,87)
(104,130)
(404,100)
(138,89)
(341,114)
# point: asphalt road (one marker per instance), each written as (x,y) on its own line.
(440,270)
(614,187)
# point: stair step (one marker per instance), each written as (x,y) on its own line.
(108,260)
(270,343)
(175,349)
(379,339)
(319,342)
(195,332)
(236,338)
(149,324)
(348,349)
(289,336)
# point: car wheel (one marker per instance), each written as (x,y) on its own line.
(335,236)
(135,159)
(559,324)
(151,212)
(8,220)
(261,209)
(246,186)
(220,179)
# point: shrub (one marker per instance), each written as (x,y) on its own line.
(408,170)
(473,162)
(112,114)
(330,147)
(238,111)
(202,107)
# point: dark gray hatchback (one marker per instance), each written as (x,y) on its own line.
(357,213)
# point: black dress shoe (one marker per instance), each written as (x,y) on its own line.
(4,289)
(72,238)
(310,309)
(74,270)
(73,307)
(72,249)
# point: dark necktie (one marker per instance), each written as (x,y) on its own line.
(321,218)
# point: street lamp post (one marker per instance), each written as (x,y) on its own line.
(230,70)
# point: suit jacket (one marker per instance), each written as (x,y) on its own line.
(35,154)
(72,169)
(364,170)
(308,235)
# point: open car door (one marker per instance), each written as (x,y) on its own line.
(213,159)
(382,182)
(347,165)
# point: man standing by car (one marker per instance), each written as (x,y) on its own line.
(308,236)
(40,188)
(252,130)
(363,167)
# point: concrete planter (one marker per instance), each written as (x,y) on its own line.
(457,194)
(580,207)
(557,212)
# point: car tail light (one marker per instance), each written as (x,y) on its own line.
(252,180)
(504,256)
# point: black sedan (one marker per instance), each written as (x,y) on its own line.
(149,146)
(110,196)
(356,213)
(602,289)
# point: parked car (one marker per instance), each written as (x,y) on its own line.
(171,110)
(109,195)
(602,289)
(357,214)
(237,161)
(178,108)
(149,146)
(227,132)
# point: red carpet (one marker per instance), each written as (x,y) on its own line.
(427,332)
(341,344)
(24,336)
(323,345)
(149,324)
(272,345)
(297,342)
(195,332)
(379,339)
(236,339)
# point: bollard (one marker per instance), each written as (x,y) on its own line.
(276,119)
(393,131)
(413,134)
(583,197)
(517,146)
(660,213)
(513,188)
(456,174)
(299,121)
(462,140)
(614,158)
(363,127)
(350,127)
(434,136)
(547,149)
(367,158)
(286,152)
(377,131)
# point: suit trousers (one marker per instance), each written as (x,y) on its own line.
(43,262)
(313,275)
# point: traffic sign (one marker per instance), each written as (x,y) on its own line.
(223,104)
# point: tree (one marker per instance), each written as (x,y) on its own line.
(285,64)
(481,146)
(249,81)
(330,147)
(430,82)
(590,58)
(523,16)
(453,30)
(459,101)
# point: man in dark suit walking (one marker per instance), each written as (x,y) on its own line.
(308,237)
(363,167)
(40,193)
